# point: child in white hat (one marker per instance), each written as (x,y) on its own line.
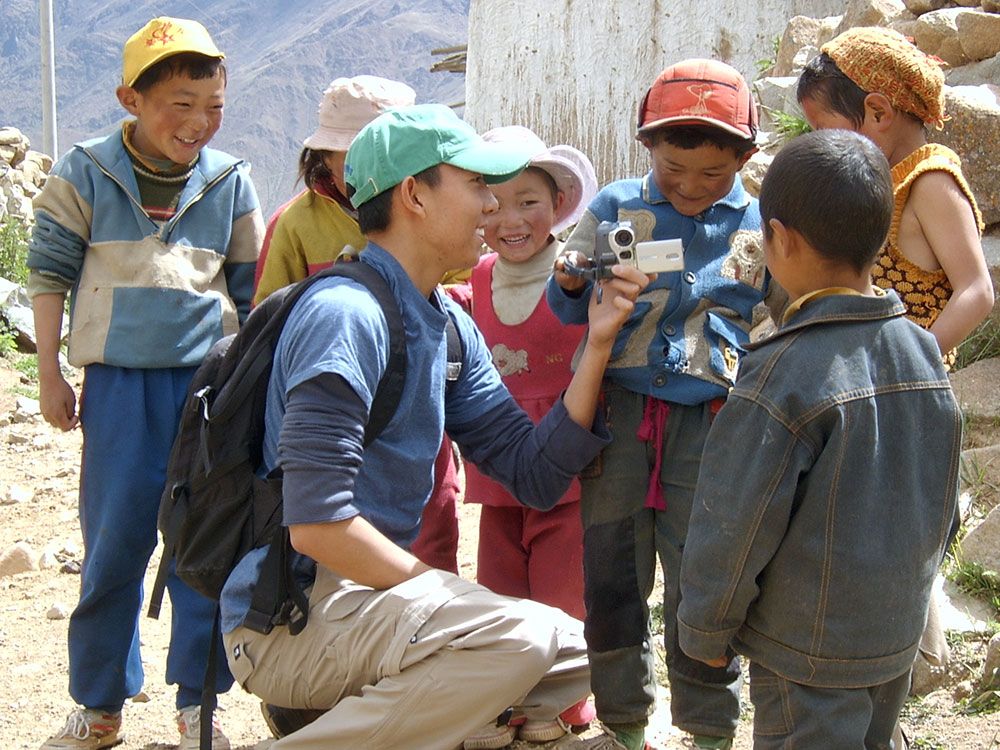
(311,231)
(525,552)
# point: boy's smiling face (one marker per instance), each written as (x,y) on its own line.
(693,179)
(176,117)
(522,225)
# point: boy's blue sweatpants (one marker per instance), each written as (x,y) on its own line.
(129,419)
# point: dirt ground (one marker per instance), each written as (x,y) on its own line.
(35,607)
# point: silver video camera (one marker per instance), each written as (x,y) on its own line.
(615,243)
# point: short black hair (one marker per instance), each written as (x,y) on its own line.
(191,64)
(695,136)
(825,83)
(375,214)
(834,188)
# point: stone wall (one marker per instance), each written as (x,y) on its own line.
(22,174)
(575,70)
(964,35)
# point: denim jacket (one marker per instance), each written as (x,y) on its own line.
(826,498)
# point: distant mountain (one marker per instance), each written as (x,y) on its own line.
(280,55)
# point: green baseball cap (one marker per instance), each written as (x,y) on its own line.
(405,141)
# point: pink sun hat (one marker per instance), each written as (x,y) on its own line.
(569,168)
(351,103)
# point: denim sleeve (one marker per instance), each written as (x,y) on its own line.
(535,463)
(320,450)
(750,470)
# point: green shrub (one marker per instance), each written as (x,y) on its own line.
(13,251)
(982,343)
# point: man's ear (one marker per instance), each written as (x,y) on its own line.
(128,98)
(410,196)
(879,112)
(746,157)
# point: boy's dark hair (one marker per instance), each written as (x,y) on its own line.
(190,64)
(825,83)
(695,136)
(834,188)
(374,215)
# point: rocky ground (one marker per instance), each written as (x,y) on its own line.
(38,480)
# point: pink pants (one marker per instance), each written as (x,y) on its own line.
(533,554)
(437,543)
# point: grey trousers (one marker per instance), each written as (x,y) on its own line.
(791,716)
(424,664)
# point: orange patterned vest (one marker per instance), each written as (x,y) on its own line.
(924,293)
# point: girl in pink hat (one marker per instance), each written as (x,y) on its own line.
(524,552)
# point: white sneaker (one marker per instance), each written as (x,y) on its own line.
(189,725)
(87,729)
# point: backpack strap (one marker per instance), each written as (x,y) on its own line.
(454,351)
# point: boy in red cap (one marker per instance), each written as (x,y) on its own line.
(675,360)
(154,236)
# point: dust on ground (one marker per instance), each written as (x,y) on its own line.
(33,657)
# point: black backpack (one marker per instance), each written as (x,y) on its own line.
(214,507)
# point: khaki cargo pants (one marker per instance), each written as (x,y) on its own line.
(421,665)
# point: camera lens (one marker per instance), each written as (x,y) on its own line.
(623,238)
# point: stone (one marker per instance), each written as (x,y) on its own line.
(976,389)
(980,471)
(960,611)
(870,13)
(979,34)
(828,29)
(919,7)
(776,94)
(16,438)
(991,665)
(966,3)
(982,544)
(926,677)
(973,132)
(10,136)
(16,494)
(934,29)
(800,32)
(753,172)
(48,560)
(974,74)
(991,6)
(26,409)
(16,559)
(57,611)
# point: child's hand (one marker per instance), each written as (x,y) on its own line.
(618,297)
(57,402)
(719,663)
(567,282)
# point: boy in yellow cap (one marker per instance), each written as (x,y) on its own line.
(154,237)
(875,82)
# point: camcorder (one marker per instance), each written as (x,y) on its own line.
(615,243)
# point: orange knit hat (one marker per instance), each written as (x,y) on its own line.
(884,61)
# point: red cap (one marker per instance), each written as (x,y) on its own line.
(695,92)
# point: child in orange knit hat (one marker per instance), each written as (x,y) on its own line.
(876,82)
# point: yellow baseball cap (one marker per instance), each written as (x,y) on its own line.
(163,37)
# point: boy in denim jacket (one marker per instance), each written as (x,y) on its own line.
(841,434)
(672,365)
(154,237)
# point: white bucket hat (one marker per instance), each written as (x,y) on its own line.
(351,103)
(569,168)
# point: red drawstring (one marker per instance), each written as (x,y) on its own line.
(654,420)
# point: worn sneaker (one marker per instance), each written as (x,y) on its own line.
(621,737)
(189,725)
(491,737)
(540,730)
(87,729)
